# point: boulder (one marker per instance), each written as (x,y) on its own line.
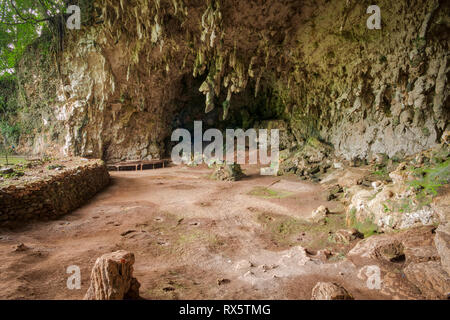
(333,192)
(112,278)
(430,278)
(329,291)
(345,236)
(401,174)
(442,243)
(228,172)
(382,248)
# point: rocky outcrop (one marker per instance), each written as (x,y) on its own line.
(112,278)
(408,255)
(329,291)
(430,278)
(119,95)
(403,198)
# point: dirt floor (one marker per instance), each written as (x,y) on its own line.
(193,238)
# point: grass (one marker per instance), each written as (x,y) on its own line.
(284,231)
(367,227)
(431,177)
(268,193)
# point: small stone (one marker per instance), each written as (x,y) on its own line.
(337,165)
(319,215)
(21,247)
(123,234)
(223,281)
(243,264)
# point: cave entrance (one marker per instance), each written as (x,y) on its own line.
(246,111)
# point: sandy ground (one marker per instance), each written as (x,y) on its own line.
(193,238)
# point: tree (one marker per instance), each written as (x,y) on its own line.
(9,136)
(22,21)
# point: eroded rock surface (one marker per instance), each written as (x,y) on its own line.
(330,291)
(112,278)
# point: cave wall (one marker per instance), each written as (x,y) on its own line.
(120,81)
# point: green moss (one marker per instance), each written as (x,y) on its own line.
(367,228)
(284,230)
(430,178)
(267,193)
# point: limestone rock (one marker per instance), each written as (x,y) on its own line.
(345,236)
(401,174)
(333,192)
(330,291)
(421,254)
(112,278)
(319,215)
(228,172)
(445,139)
(383,248)
(430,278)
(442,243)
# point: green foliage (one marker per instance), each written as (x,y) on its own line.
(22,21)
(10,132)
(431,177)
(367,227)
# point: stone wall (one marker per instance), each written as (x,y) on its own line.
(53,196)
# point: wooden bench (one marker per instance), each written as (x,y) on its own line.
(138,165)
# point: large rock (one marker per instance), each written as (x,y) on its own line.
(228,172)
(442,243)
(329,291)
(112,278)
(346,236)
(383,249)
(389,208)
(430,278)
(319,215)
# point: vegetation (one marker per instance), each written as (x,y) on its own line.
(22,21)
(268,193)
(367,227)
(285,231)
(431,177)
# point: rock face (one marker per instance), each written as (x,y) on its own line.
(430,278)
(330,291)
(112,278)
(118,95)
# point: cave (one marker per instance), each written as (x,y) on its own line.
(98,203)
(245,111)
